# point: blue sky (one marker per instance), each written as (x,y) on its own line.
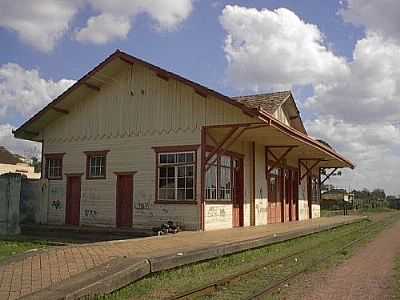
(195,50)
(314,47)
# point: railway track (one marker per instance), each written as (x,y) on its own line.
(225,282)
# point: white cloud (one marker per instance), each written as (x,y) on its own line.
(22,147)
(114,20)
(276,49)
(370,92)
(379,16)
(23,92)
(43,23)
(38,23)
(103,28)
(374,148)
(355,102)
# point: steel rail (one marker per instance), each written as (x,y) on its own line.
(271,288)
(226,280)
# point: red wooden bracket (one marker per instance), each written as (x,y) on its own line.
(278,159)
(308,169)
(220,145)
(329,175)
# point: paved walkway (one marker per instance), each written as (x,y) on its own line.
(366,275)
(30,273)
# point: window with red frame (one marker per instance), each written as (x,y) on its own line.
(54,166)
(96,163)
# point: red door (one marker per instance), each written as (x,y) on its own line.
(309,196)
(73,201)
(238,195)
(295,193)
(124,200)
(274,197)
(287,195)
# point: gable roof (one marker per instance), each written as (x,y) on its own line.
(30,129)
(6,157)
(270,102)
(55,107)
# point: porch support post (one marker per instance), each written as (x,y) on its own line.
(253,185)
(202,177)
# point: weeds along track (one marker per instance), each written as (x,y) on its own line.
(258,281)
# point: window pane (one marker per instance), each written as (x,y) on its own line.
(225,161)
(211,183)
(171,183)
(189,182)
(181,171)
(163,194)
(171,158)
(189,194)
(181,157)
(163,158)
(163,183)
(171,172)
(181,194)
(189,171)
(190,157)
(171,194)
(181,182)
(163,172)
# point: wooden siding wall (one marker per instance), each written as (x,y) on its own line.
(160,113)
(281,115)
(303,198)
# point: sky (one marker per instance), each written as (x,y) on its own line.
(341,59)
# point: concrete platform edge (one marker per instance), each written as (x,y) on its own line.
(120,272)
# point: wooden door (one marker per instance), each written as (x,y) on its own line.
(309,196)
(295,193)
(238,193)
(73,201)
(287,195)
(274,197)
(124,205)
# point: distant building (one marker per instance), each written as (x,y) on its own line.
(334,198)
(394,203)
(12,163)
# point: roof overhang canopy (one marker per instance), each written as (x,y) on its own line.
(273,134)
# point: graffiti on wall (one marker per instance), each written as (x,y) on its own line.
(143,200)
(90,213)
(261,209)
(56,204)
(56,196)
(217,214)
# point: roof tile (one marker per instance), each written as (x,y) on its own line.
(269,102)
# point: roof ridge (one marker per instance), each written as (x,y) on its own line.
(263,94)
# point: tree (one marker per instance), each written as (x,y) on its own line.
(36,164)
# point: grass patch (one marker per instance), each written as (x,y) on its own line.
(168,283)
(10,246)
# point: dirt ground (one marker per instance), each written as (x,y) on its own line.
(368,274)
